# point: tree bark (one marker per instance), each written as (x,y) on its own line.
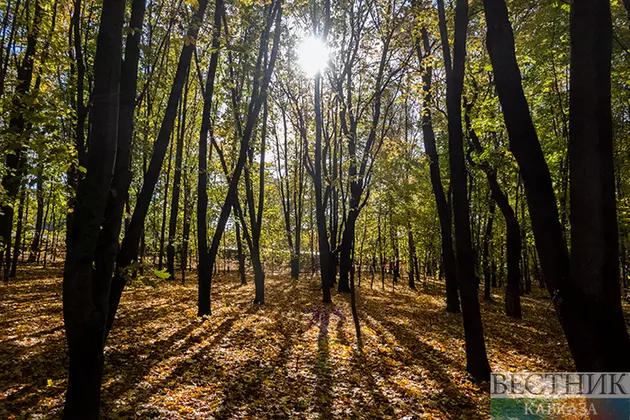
(594,268)
(18,233)
(326,270)
(241,253)
(85,301)
(203,268)
(485,254)
(17,135)
(107,247)
(444,211)
(590,327)
(167,184)
(412,257)
(177,177)
(129,247)
(476,358)
(513,241)
(35,245)
(259,93)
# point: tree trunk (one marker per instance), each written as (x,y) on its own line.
(167,184)
(444,212)
(203,267)
(129,247)
(353,306)
(172,224)
(108,240)
(594,265)
(85,301)
(241,253)
(593,330)
(326,270)
(46,222)
(259,94)
(16,136)
(512,291)
(183,258)
(18,233)
(485,263)
(256,214)
(35,245)
(476,358)
(412,256)
(527,281)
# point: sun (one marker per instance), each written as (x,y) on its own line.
(312,56)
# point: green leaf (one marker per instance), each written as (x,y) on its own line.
(162,274)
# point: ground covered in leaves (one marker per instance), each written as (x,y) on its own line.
(291,358)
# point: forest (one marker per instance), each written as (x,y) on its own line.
(308,208)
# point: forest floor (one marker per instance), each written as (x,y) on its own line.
(291,358)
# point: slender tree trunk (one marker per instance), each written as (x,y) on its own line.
(46,222)
(51,226)
(325,266)
(259,93)
(5,51)
(476,358)
(26,206)
(15,162)
(203,267)
(172,224)
(53,247)
(353,306)
(35,245)
(186,229)
(412,255)
(167,184)
(129,247)
(527,281)
(512,291)
(107,247)
(256,214)
(311,226)
(285,192)
(80,108)
(444,212)
(241,253)
(18,232)
(381,255)
(485,263)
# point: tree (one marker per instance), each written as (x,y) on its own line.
(18,134)
(258,95)
(129,247)
(513,229)
(85,300)
(594,267)
(203,269)
(444,212)
(582,323)
(476,358)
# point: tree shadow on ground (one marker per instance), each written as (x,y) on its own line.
(291,358)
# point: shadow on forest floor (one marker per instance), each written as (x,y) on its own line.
(291,358)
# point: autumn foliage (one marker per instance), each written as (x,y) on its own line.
(291,358)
